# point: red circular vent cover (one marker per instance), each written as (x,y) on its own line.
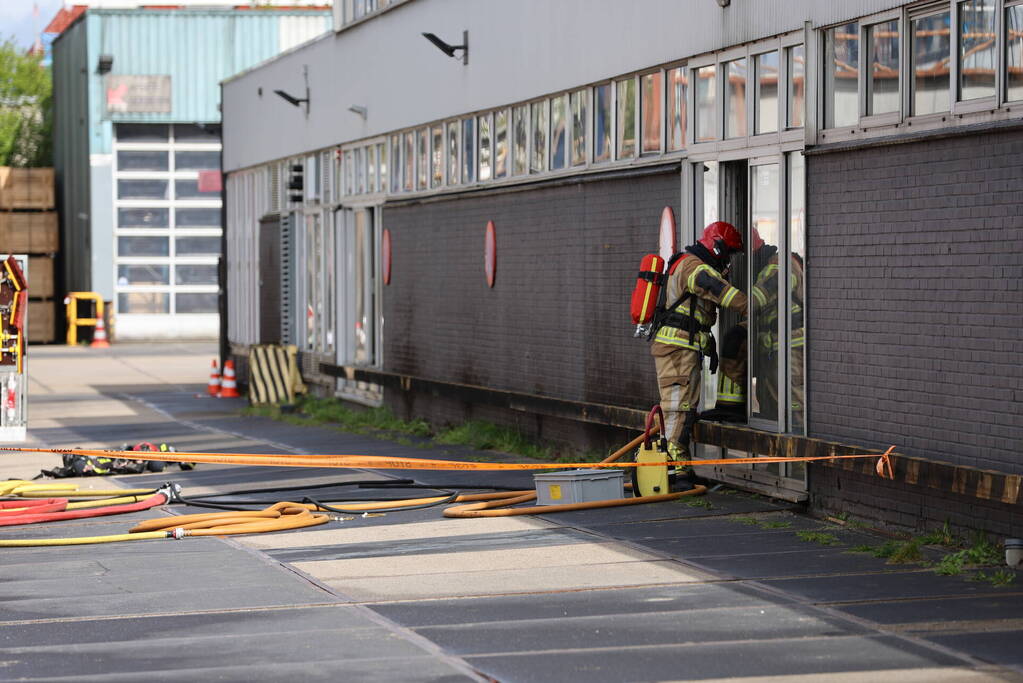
(490,254)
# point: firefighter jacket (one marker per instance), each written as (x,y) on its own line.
(765,304)
(688,324)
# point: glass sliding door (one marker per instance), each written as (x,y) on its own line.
(763,249)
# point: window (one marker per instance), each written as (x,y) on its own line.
(454,146)
(396,163)
(602,122)
(883,69)
(189,189)
(143,246)
(195,274)
(797,296)
(143,303)
(196,302)
(976,49)
(796,57)
(539,130)
(437,157)
(676,109)
(706,104)
(409,172)
(625,91)
(501,159)
(197,161)
(143,274)
(382,165)
(349,172)
(371,169)
(1014,53)
(422,158)
(484,128)
(142,189)
(142,132)
(559,126)
(197,218)
(651,112)
(841,75)
(735,89)
(521,136)
(766,95)
(469,147)
(147,160)
(199,132)
(197,245)
(577,103)
(143,218)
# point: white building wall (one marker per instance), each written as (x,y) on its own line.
(518,49)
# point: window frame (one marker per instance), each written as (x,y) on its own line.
(867,120)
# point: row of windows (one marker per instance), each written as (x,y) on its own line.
(131,246)
(957,55)
(159,160)
(155,188)
(155,274)
(160,218)
(166,133)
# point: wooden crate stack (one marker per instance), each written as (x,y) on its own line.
(28,225)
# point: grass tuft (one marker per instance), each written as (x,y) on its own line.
(818,537)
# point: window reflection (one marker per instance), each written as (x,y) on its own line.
(626,92)
(501,160)
(360,171)
(676,109)
(469,149)
(484,127)
(437,157)
(559,139)
(706,104)
(454,157)
(883,71)
(976,49)
(1014,53)
(735,116)
(841,77)
(764,305)
(767,93)
(410,163)
(382,156)
(797,299)
(797,85)
(602,122)
(521,139)
(422,159)
(371,169)
(395,163)
(539,129)
(650,108)
(578,106)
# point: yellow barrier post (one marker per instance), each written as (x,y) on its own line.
(71,308)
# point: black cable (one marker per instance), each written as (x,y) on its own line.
(422,506)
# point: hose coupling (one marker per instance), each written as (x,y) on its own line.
(178,534)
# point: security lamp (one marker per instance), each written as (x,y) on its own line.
(105,64)
(291,99)
(449,50)
(360,110)
(295,101)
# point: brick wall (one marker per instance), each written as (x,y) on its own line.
(556,323)
(915,265)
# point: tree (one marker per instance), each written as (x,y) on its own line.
(26,112)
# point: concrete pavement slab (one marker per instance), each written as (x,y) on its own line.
(811,562)
(945,611)
(697,527)
(714,660)
(759,623)
(572,604)
(997,647)
(509,581)
(892,585)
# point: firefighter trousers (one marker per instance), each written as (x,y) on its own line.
(679,371)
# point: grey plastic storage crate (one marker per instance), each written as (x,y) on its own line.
(579,486)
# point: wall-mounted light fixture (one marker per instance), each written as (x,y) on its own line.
(449,50)
(105,64)
(360,110)
(296,101)
(724,3)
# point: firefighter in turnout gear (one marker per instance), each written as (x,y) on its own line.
(695,288)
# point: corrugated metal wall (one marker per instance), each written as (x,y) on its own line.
(71,153)
(197,48)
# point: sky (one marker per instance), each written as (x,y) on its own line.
(20,20)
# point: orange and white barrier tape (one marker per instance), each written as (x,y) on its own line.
(884,465)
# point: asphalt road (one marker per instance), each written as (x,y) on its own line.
(724,590)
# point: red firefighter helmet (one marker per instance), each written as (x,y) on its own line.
(756,241)
(722,239)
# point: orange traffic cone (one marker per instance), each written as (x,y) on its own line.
(213,388)
(99,337)
(228,387)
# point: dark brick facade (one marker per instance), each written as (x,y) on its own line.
(556,323)
(915,266)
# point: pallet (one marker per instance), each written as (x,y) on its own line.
(26,188)
(29,232)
